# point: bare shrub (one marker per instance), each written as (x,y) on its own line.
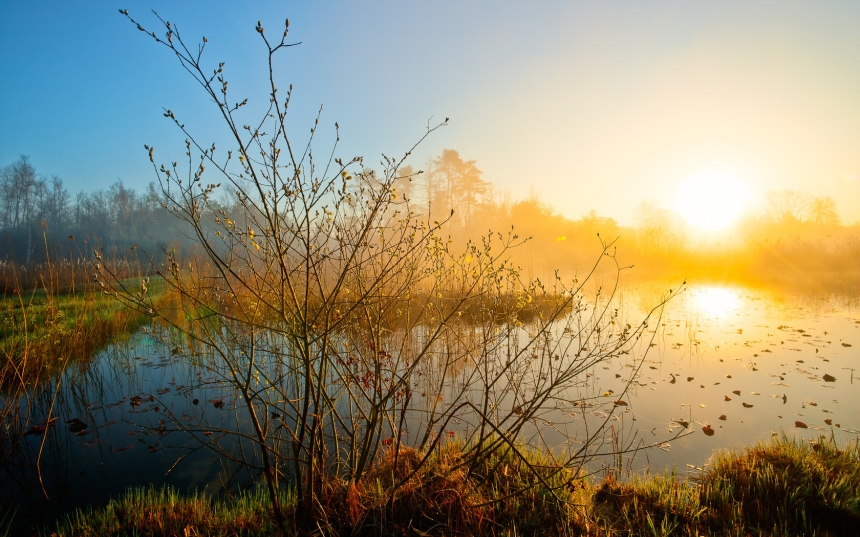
(344,321)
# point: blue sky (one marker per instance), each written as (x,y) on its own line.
(592,105)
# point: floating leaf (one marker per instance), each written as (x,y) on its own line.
(620,402)
(727,398)
(723,417)
(76,425)
(846,344)
(707,430)
(747,406)
(736,392)
(124,448)
(689,379)
(829,378)
(828,421)
(682,423)
(800,425)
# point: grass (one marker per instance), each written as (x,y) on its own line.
(779,488)
(42,329)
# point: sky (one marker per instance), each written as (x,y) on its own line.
(589,105)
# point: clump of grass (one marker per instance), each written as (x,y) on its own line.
(788,488)
(165,512)
(430,496)
(783,487)
(645,505)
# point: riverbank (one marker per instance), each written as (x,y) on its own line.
(783,487)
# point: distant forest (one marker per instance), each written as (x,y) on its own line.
(796,238)
(36,212)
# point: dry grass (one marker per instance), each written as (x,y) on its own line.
(779,488)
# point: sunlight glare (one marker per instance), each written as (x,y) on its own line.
(712,200)
(716,301)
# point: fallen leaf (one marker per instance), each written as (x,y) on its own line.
(76,425)
(736,392)
(829,378)
(727,398)
(707,430)
(723,417)
(800,425)
(747,406)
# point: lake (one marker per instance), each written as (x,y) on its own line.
(723,367)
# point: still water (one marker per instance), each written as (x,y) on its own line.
(723,367)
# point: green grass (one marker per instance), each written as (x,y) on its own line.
(40,329)
(779,488)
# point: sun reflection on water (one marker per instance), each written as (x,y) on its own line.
(716,301)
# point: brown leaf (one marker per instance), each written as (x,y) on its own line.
(707,430)
(723,417)
(800,425)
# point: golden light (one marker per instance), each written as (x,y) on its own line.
(712,200)
(716,301)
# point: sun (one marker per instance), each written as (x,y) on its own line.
(712,200)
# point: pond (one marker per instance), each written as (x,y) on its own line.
(723,367)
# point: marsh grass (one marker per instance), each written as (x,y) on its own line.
(783,487)
(42,329)
(779,488)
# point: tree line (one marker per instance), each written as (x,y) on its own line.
(38,216)
(795,227)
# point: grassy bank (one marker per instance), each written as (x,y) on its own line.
(41,329)
(780,488)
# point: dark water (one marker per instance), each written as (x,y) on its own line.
(125,436)
(773,349)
